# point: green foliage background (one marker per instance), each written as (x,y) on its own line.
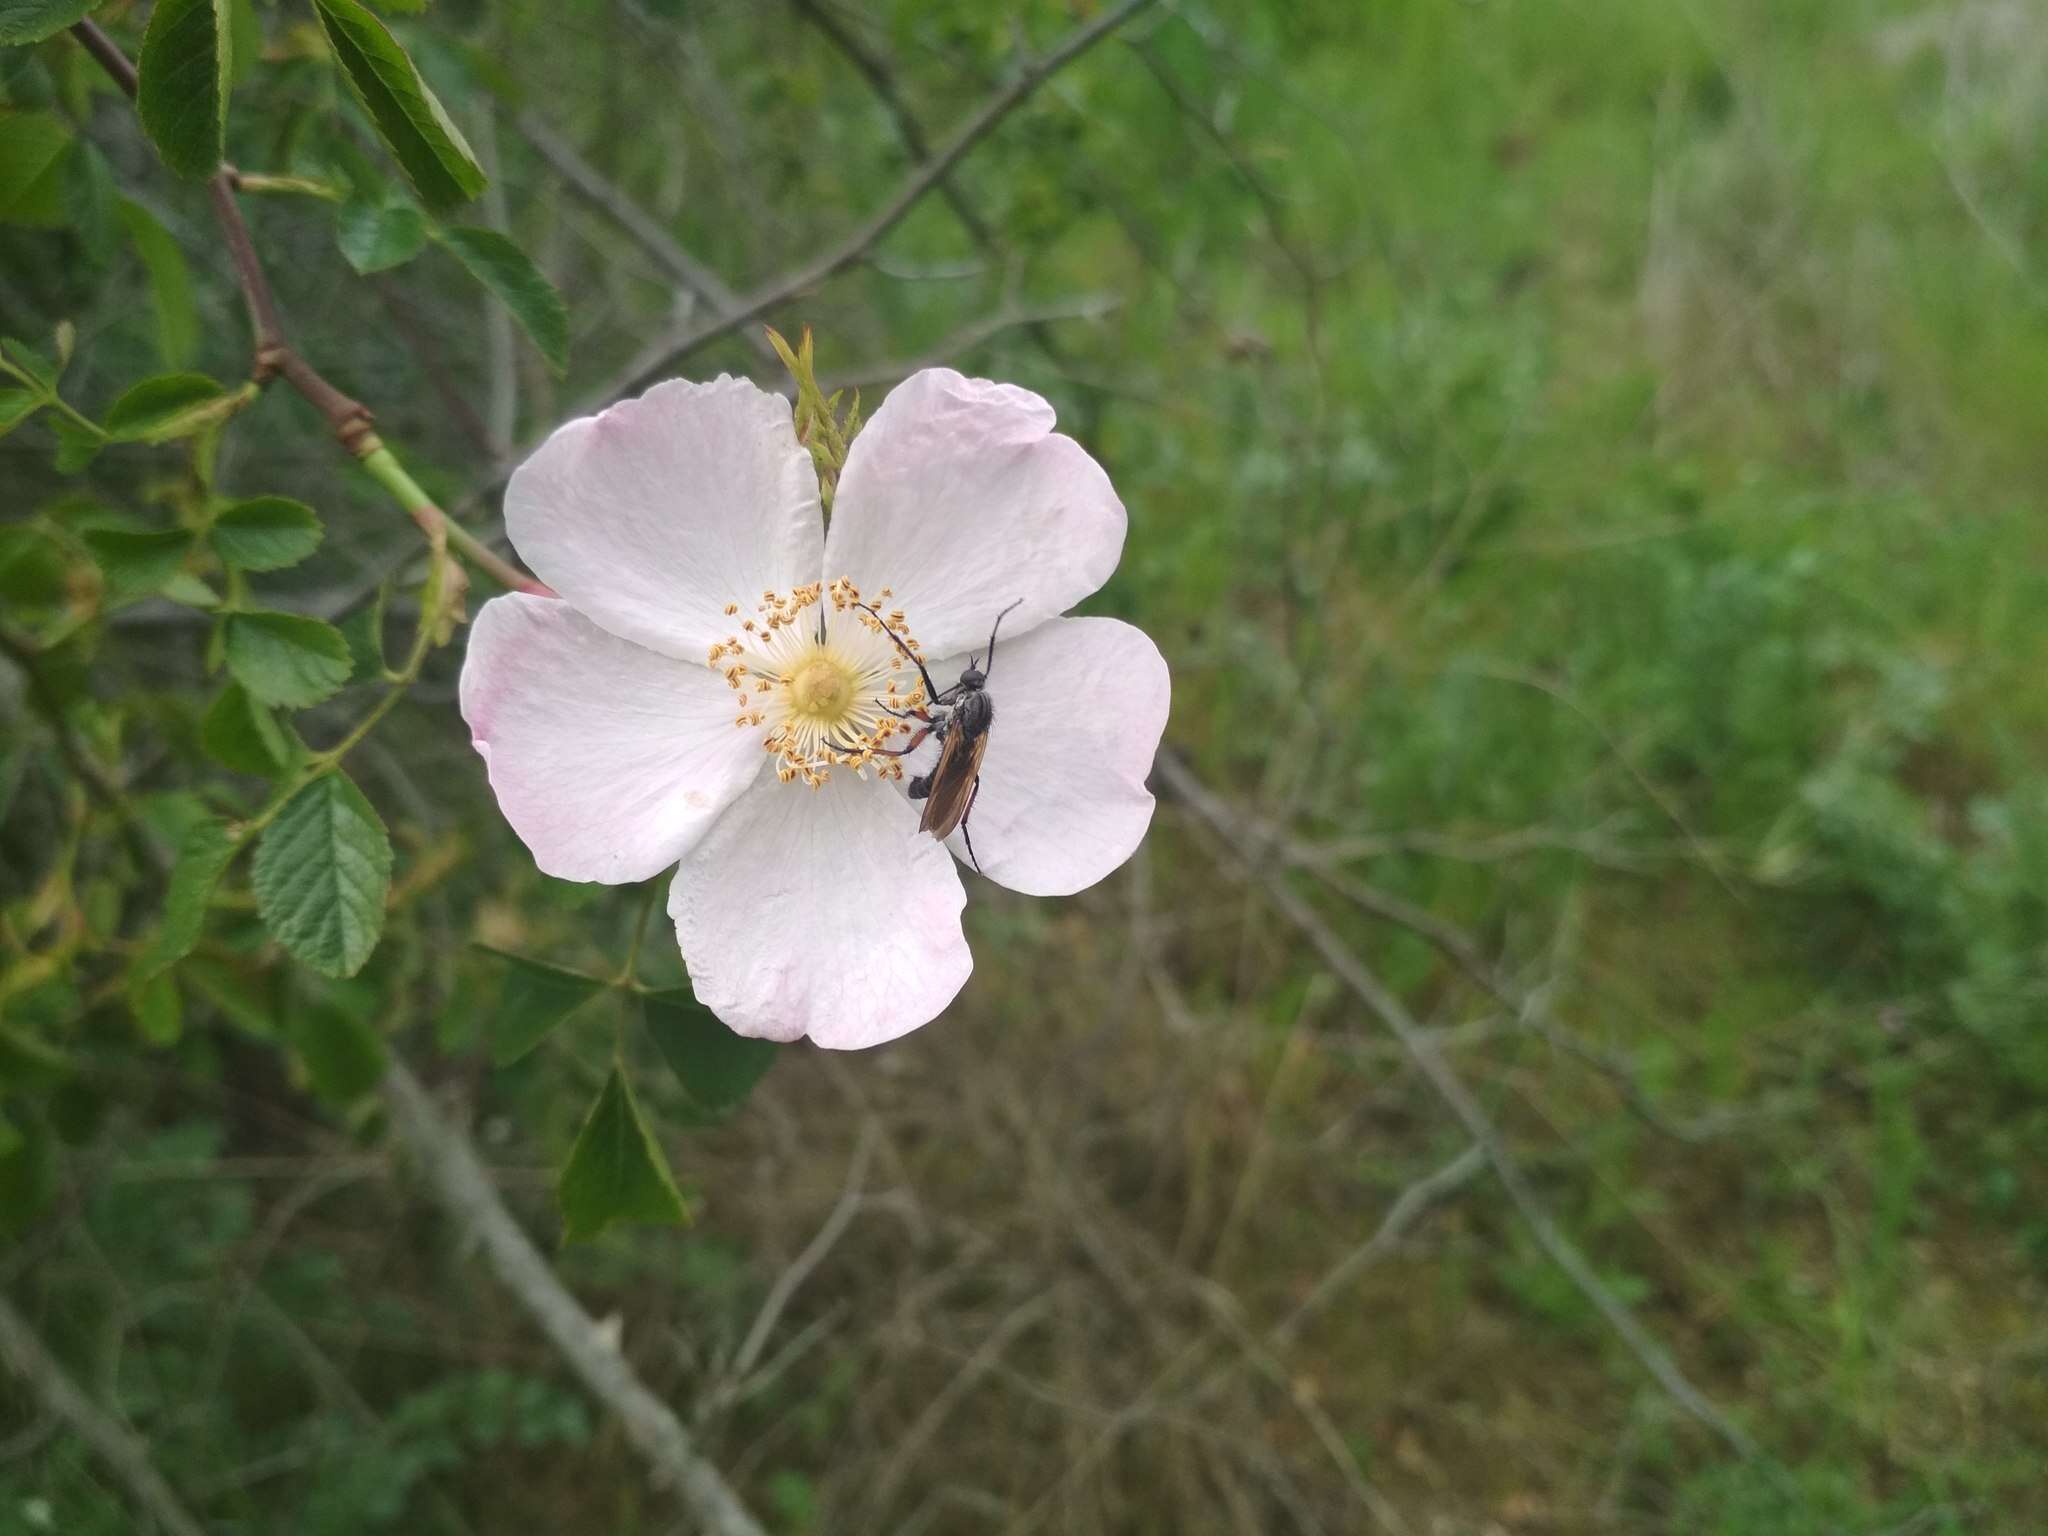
(1585,464)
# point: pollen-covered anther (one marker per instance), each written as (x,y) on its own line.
(826,691)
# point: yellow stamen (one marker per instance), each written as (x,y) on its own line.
(822,684)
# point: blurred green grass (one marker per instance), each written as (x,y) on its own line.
(1587,459)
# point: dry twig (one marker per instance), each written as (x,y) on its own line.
(1422,1049)
(459,1182)
(120,1448)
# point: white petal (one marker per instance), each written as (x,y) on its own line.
(1080,705)
(653,515)
(608,759)
(823,913)
(960,498)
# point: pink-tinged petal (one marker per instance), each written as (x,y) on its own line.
(608,759)
(961,499)
(822,913)
(655,514)
(1080,705)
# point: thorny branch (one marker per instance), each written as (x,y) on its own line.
(275,357)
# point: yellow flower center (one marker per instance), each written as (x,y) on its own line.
(822,689)
(825,688)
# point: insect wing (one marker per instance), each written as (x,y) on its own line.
(952,782)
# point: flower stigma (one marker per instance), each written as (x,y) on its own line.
(825,688)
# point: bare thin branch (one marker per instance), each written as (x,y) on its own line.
(459,1182)
(967,338)
(907,196)
(788,1282)
(1422,1049)
(681,340)
(119,1447)
(1413,1203)
(590,184)
(881,80)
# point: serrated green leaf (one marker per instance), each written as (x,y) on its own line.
(509,273)
(204,854)
(266,533)
(137,563)
(26,358)
(615,1171)
(183,96)
(364,631)
(77,446)
(171,405)
(90,201)
(32,146)
(239,733)
(185,588)
(377,234)
(170,284)
(286,659)
(408,116)
(716,1067)
(344,1056)
(159,1012)
(30,21)
(321,873)
(535,998)
(16,406)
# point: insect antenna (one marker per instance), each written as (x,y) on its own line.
(931,688)
(992,637)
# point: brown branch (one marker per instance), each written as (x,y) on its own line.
(348,419)
(119,1447)
(274,356)
(1358,978)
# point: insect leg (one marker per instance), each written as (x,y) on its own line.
(906,749)
(972,796)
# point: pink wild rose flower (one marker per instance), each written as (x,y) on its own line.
(720,685)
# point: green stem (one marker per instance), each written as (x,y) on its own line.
(298,186)
(385,469)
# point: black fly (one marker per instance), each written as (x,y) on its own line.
(964,714)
